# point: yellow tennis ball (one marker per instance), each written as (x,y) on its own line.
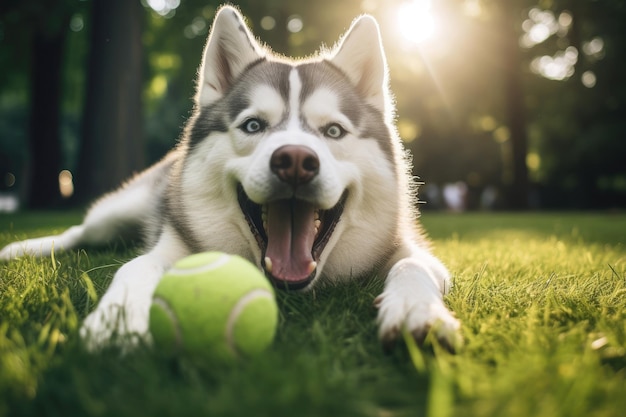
(214,306)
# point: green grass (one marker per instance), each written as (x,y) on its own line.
(541,297)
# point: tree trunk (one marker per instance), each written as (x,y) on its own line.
(518,189)
(44,118)
(112,143)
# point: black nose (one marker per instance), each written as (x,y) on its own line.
(295,164)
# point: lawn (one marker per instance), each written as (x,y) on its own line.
(541,297)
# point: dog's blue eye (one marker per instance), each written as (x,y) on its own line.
(253,126)
(334,131)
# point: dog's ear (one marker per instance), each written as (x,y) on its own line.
(360,56)
(229,50)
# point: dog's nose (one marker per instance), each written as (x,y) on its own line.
(295,164)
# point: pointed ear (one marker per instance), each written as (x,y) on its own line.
(361,57)
(229,50)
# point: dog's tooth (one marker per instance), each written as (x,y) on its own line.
(317,223)
(268,264)
(312,267)
(264,216)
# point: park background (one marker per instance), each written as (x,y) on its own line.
(519,103)
(504,104)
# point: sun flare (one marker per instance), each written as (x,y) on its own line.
(415,20)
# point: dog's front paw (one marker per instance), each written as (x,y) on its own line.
(113,325)
(413,302)
(122,316)
(42,246)
(419,317)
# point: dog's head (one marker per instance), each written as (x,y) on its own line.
(305,148)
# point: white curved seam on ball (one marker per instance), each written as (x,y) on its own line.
(218,263)
(237,310)
(178,335)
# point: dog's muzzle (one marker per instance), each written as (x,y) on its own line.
(291,233)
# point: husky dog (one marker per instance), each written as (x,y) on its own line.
(294,165)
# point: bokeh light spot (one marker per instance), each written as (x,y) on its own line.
(66,183)
(588,79)
(9,179)
(409,130)
(502,134)
(294,24)
(268,23)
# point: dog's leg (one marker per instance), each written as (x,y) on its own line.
(124,309)
(43,246)
(128,209)
(413,299)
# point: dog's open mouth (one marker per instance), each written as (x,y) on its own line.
(292,235)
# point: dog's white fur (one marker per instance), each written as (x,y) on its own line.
(197,184)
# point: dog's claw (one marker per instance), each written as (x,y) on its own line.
(420,335)
(390,340)
(378,301)
(449,342)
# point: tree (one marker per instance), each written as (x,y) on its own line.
(42,26)
(45,110)
(518,189)
(112,145)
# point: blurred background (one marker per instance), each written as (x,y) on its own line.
(517,104)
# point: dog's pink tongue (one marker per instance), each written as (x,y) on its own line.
(290,237)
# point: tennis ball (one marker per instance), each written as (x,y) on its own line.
(213,306)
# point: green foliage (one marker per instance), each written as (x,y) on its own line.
(540,298)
